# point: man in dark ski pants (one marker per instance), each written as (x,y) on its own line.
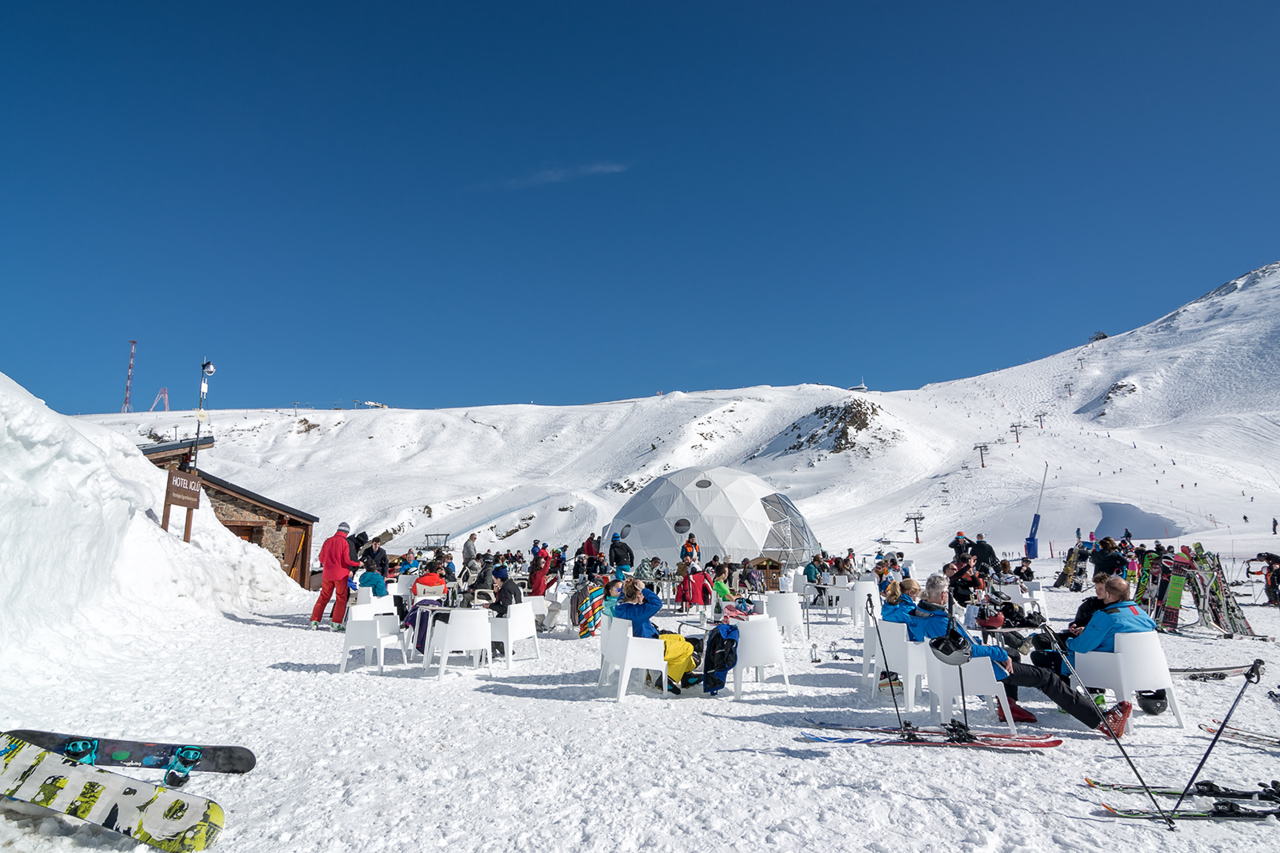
(930,619)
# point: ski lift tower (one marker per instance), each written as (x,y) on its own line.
(915,518)
(982,453)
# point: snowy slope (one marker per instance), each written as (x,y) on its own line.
(1163,427)
(110,625)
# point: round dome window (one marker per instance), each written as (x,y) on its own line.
(626,528)
(682,526)
(703,484)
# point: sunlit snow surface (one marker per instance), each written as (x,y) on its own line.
(115,628)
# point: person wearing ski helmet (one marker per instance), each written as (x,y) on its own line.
(621,556)
(930,620)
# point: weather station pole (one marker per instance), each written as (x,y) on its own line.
(206,370)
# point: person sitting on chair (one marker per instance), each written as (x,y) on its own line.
(930,620)
(612,595)
(639,604)
(899,600)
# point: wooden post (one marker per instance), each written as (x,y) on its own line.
(186,530)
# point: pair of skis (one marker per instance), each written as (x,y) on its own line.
(953,734)
(1225,805)
(1243,735)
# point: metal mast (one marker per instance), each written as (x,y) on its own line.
(128,382)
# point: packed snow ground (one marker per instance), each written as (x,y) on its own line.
(537,759)
(113,627)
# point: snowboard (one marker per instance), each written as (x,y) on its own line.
(108,752)
(1169,608)
(155,815)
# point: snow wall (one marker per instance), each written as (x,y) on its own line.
(86,567)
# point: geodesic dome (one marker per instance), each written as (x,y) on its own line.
(733,514)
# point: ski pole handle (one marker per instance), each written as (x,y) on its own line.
(1254,675)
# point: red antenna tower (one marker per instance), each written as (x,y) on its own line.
(163,395)
(128,382)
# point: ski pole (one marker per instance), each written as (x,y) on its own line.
(951,624)
(1115,736)
(871,613)
(1253,676)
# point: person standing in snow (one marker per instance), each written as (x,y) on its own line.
(336,560)
(961,544)
(621,556)
(1274,524)
(985,554)
(690,549)
(469,549)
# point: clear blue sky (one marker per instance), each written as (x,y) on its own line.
(431,204)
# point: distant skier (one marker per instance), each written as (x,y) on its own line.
(1246,519)
(1273,527)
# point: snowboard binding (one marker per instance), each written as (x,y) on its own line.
(82,750)
(184,760)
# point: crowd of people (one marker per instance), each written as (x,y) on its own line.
(971,579)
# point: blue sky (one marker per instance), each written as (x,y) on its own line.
(435,205)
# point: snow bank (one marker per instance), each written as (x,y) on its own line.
(84,556)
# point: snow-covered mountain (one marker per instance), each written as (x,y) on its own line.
(1159,429)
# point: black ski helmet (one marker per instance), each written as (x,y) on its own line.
(1152,701)
(952,648)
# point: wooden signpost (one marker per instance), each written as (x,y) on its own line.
(183,491)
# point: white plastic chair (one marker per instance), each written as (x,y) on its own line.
(466,631)
(858,595)
(979,680)
(364,595)
(622,652)
(370,631)
(842,581)
(785,607)
(1138,663)
(759,645)
(518,624)
(438,592)
(908,659)
(843,599)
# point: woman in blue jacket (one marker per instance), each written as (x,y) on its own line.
(899,600)
(639,604)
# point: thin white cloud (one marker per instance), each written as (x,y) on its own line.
(556,175)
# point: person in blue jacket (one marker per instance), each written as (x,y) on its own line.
(640,604)
(899,600)
(1118,615)
(375,581)
(930,620)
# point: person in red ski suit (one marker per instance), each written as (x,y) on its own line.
(335,558)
